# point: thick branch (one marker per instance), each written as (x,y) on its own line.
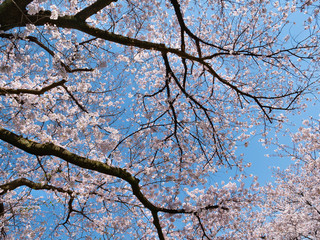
(33,185)
(73,22)
(93,9)
(12,11)
(1,208)
(156,223)
(5,91)
(2,231)
(50,149)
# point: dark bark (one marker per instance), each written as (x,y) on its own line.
(2,231)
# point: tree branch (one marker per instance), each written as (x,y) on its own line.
(33,185)
(5,91)
(156,223)
(75,100)
(11,11)
(93,9)
(2,231)
(50,149)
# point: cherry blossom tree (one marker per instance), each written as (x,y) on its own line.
(116,116)
(292,203)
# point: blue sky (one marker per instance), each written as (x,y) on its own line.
(256,153)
